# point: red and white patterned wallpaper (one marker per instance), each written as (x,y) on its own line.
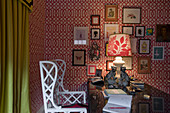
(37,51)
(63,15)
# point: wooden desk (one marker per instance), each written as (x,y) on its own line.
(97,102)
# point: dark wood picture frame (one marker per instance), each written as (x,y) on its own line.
(143,107)
(95,20)
(139,31)
(95,33)
(78,57)
(163,33)
(131,15)
(158,104)
(144,65)
(111,12)
(128,30)
(107,65)
(144,46)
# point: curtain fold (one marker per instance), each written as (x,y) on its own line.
(14,57)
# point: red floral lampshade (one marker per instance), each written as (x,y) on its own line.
(119,45)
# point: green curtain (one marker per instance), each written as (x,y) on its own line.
(14,57)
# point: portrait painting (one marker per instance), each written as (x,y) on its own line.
(163,33)
(111,12)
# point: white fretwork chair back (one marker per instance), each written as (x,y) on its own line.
(66,97)
(49,71)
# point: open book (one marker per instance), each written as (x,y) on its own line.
(118,104)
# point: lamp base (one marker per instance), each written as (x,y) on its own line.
(118,62)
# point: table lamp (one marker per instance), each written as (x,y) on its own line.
(119,45)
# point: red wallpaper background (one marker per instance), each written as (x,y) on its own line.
(56,41)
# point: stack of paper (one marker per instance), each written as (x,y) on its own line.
(118,104)
(110,92)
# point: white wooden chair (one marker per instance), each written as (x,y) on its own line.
(49,73)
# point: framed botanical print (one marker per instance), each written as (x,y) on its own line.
(95,20)
(158,52)
(144,46)
(127,30)
(95,33)
(149,31)
(131,15)
(79,57)
(109,63)
(163,33)
(91,69)
(139,31)
(143,107)
(144,65)
(81,35)
(111,12)
(128,62)
(111,29)
(158,104)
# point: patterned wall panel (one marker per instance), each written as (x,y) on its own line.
(36,44)
(63,15)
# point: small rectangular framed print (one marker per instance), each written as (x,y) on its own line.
(143,107)
(158,52)
(144,46)
(139,31)
(111,12)
(110,29)
(128,62)
(78,57)
(144,65)
(95,20)
(81,35)
(91,69)
(149,31)
(109,63)
(127,30)
(98,73)
(95,33)
(131,15)
(158,104)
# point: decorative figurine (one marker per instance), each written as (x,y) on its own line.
(111,79)
(124,78)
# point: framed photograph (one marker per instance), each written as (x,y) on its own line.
(79,57)
(91,69)
(139,31)
(98,73)
(149,31)
(111,29)
(144,65)
(163,33)
(144,46)
(127,30)
(95,20)
(143,107)
(109,63)
(131,15)
(111,12)
(95,33)
(158,52)
(106,48)
(158,104)
(81,35)
(128,62)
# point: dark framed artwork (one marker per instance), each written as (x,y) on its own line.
(144,65)
(98,73)
(127,30)
(163,33)
(79,57)
(139,31)
(131,15)
(149,31)
(109,63)
(95,33)
(144,46)
(111,12)
(158,52)
(95,20)
(158,104)
(143,107)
